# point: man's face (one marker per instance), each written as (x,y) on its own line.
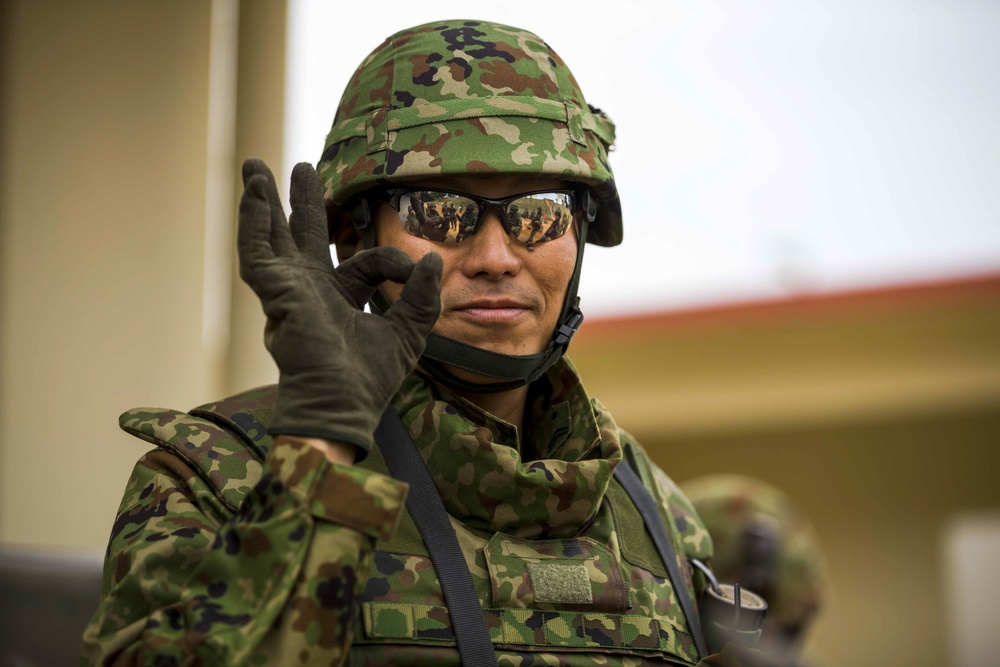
(495,293)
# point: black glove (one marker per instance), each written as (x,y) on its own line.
(339,366)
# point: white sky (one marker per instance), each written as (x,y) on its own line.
(764,148)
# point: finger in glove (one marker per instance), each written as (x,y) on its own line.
(308,220)
(283,243)
(364,272)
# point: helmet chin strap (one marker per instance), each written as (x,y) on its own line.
(511,370)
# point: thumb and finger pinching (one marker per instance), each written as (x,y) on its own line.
(420,302)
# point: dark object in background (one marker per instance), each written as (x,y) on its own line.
(764,541)
(46,599)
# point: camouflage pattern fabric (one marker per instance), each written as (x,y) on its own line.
(217,557)
(737,509)
(465,97)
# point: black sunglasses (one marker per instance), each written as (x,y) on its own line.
(448,216)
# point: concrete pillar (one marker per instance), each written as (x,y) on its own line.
(120,139)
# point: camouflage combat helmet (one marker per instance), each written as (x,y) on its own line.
(763,541)
(457,97)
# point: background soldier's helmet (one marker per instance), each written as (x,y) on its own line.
(458,97)
(763,541)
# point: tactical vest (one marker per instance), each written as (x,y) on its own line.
(604,591)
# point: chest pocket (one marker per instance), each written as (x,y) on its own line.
(571,574)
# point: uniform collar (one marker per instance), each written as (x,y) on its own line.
(475,458)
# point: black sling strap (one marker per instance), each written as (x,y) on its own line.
(424,504)
(644,502)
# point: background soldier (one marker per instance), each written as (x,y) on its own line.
(555,227)
(536,224)
(516,221)
(467,222)
(763,541)
(451,216)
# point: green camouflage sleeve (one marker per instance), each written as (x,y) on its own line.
(274,583)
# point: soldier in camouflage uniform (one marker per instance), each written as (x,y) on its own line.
(763,541)
(265,529)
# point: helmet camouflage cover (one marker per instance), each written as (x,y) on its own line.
(735,506)
(458,97)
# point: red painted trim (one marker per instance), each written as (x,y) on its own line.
(865,300)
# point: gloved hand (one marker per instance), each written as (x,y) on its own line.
(339,366)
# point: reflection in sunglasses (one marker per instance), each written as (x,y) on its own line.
(451,217)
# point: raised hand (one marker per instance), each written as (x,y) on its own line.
(339,366)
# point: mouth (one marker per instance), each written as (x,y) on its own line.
(490,311)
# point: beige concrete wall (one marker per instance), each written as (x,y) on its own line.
(113,238)
(882,495)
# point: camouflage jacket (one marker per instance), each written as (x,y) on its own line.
(229,551)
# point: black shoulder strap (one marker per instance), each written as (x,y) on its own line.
(644,502)
(424,504)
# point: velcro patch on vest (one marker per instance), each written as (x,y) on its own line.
(556,574)
(560,584)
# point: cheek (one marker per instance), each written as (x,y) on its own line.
(554,271)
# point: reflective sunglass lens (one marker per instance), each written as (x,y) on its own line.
(448,217)
(438,216)
(541,216)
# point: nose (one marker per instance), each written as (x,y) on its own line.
(490,252)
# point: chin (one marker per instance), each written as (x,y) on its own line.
(498,340)
(500,348)
(469,376)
